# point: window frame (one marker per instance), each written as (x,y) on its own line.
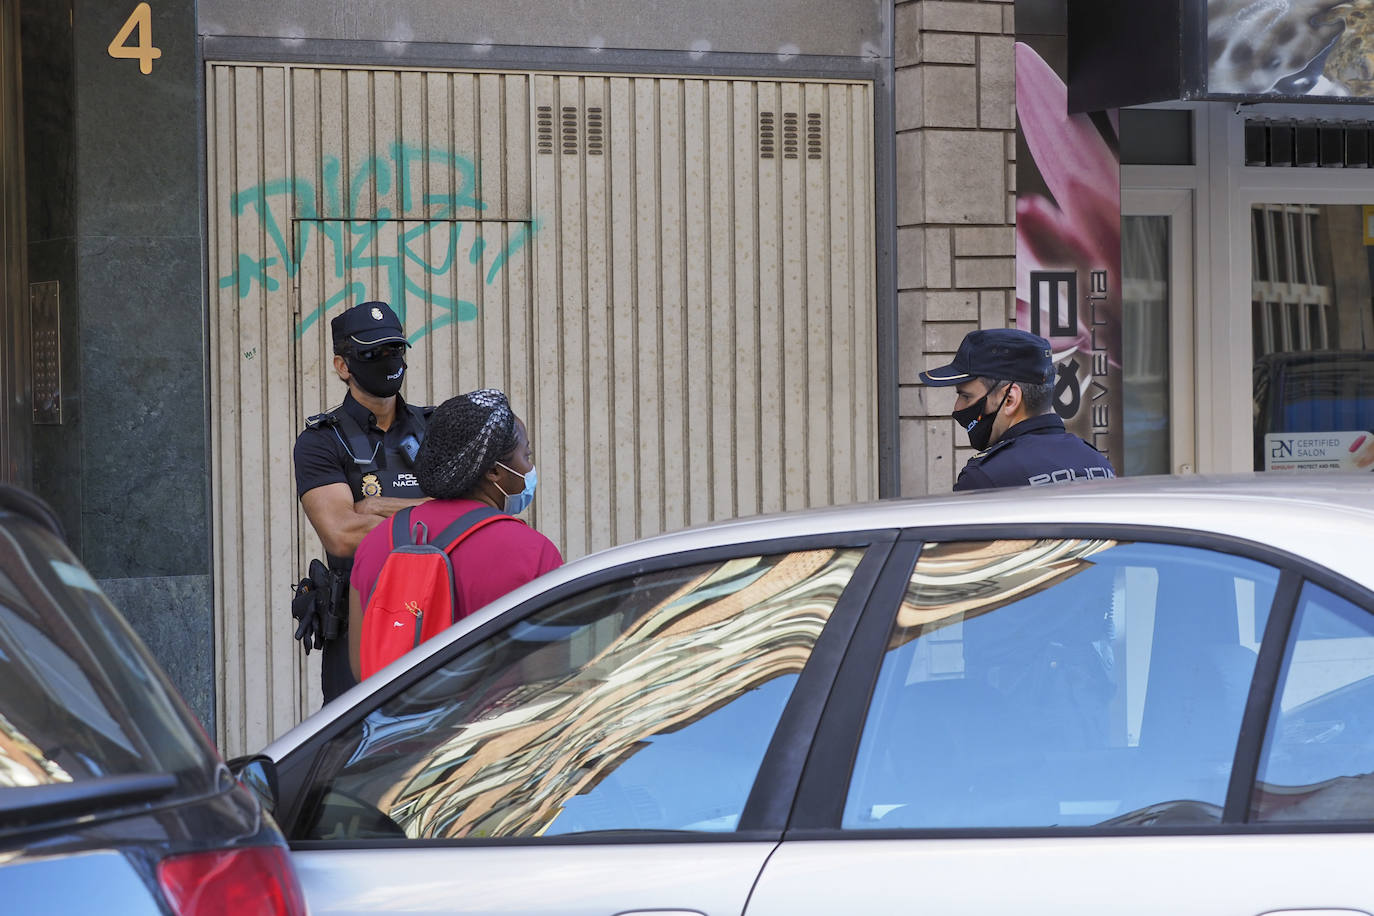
(819,808)
(771,798)
(1245,794)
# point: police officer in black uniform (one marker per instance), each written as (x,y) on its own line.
(354,471)
(1003,379)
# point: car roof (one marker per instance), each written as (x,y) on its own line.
(1327,517)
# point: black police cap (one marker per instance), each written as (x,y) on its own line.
(1005,354)
(368,324)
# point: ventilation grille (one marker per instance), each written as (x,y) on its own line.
(767,136)
(576,132)
(544,130)
(791,135)
(568,141)
(596,134)
(1309,144)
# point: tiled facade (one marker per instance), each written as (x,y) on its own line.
(956,247)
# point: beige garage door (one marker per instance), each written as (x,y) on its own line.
(672,278)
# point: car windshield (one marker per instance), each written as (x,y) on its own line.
(85,713)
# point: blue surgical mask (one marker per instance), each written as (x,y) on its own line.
(519,502)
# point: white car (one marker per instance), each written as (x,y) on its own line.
(1134,697)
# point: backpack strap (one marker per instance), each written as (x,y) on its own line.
(402,534)
(399,530)
(466,524)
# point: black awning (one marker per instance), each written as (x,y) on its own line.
(1123,53)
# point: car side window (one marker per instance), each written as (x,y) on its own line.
(1318,758)
(1061,682)
(642,704)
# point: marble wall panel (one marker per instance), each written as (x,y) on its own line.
(173,615)
(145,483)
(137,134)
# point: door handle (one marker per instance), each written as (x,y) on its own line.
(1321,912)
(680,913)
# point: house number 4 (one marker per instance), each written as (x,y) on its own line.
(140,21)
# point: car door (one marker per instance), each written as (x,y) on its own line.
(1092,722)
(630,741)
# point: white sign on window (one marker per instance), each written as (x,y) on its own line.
(1347,450)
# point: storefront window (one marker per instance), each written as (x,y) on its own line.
(1145,343)
(1312,308)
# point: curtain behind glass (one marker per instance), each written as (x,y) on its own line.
(1145,343)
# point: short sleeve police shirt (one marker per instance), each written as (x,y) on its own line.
(322,455)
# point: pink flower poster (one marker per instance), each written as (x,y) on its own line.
(1068,249)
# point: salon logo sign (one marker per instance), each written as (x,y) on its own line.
(1331,451)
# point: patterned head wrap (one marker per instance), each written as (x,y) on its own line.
(467,435)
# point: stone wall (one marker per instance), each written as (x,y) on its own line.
(956,247)
(113,174)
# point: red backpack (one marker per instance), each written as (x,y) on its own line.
(413,597)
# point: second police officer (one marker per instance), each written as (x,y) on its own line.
(1003,381)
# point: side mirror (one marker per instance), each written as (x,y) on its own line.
(259,774)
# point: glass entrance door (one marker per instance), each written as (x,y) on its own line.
(1156,334)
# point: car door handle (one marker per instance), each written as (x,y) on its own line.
(1322,912)
(663,913)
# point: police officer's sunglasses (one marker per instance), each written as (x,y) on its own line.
(384,351)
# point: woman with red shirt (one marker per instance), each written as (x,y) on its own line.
(476,453)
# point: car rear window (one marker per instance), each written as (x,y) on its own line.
(1322,395)
(83,705)
(1314,411)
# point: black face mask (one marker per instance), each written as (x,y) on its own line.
(380,377)
(976,422)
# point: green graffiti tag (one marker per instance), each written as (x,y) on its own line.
(356,243)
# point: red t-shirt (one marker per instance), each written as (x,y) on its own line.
(495,559)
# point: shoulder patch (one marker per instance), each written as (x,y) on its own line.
(992,450)
(321,420)
(420,416)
